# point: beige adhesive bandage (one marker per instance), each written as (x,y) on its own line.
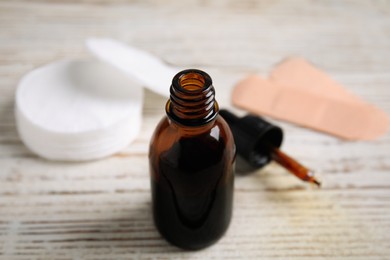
(299,73)
(310,99)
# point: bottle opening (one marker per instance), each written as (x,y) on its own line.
(192,81)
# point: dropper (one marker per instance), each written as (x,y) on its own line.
(293,166)
(258,142)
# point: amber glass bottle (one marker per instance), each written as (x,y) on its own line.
(191,157)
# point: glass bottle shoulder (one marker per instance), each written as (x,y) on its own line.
(168,133)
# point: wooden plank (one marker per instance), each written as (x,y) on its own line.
(101,209)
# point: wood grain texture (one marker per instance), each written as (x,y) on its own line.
(101,209)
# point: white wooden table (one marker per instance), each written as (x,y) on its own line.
(101,209)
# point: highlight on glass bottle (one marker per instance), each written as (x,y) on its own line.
(191,159)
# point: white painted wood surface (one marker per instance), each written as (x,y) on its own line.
(101,209)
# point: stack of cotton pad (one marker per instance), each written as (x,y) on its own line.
(77,110)
(83,110)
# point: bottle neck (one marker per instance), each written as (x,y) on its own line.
(192,101)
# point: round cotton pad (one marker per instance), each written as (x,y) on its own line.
(77,110)
(139,65)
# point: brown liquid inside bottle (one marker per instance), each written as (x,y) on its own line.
(191,157)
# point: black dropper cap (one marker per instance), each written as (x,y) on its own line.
(254,138)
